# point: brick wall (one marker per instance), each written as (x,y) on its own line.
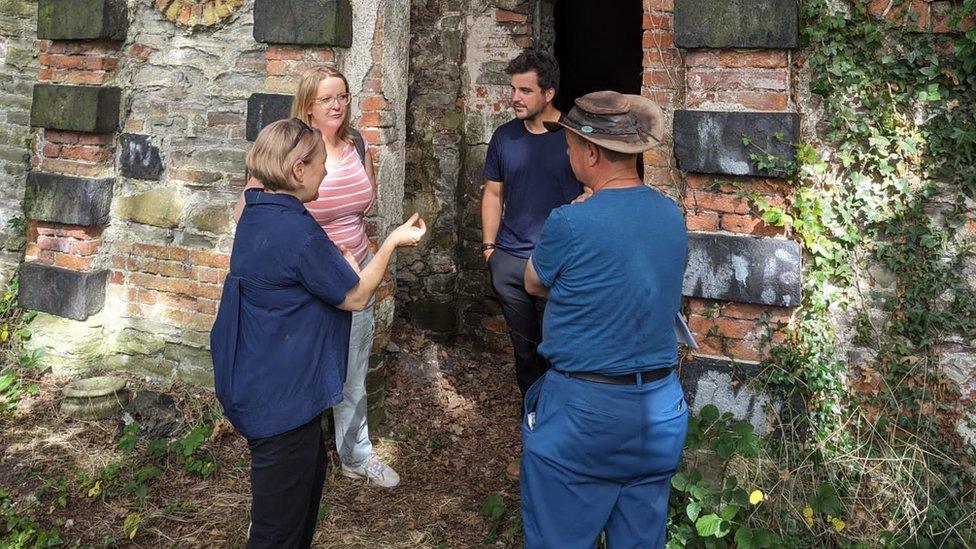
(174,166)
(18,63)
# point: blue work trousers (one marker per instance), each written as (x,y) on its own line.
(599,457)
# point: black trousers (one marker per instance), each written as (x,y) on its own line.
(523,314)
(287,474)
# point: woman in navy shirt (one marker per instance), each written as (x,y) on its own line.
(281,337)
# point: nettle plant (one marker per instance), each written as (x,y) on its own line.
(874,457)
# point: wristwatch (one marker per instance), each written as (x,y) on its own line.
(485,246)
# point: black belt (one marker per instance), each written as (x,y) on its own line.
(626,379)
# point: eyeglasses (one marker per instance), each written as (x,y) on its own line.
(302,128)
(328,101)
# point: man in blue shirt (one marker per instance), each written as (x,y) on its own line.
(527,174)
(604,429)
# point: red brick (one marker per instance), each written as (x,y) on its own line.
(704,221)
(760,59)
(171,253)
(140,51)
(752,311)
(373,119)
(658,156)
(277,68)
(284,53)
(95,138)
(495,324)
(72,167)
(658,39)
(85,247)
(87,154)
(749,100)
(659,78)
(73,262)
(716,202)
(523,41)
(70,231)
(225,119)
(56,136)
(740,78)
(721,326)
(100,63)
(373,103)
(506,16)
(51,150)
(879,7)
(210,259)
(748,224)
(657,21)
(659,5)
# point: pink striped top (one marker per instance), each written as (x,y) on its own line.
(343,196)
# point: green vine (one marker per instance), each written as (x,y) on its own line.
(880,200)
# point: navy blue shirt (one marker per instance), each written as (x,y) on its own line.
(613,265)
(279,343)
(536,176)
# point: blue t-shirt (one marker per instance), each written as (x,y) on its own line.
(613,265)
(536,176)
(279,344)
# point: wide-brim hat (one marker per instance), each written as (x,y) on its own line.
(625,123)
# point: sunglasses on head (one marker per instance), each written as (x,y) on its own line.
(302,127)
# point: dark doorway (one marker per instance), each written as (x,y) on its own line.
(598,46)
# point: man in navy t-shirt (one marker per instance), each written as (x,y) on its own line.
(527,174)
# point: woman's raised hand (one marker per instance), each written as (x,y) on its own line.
(410,233)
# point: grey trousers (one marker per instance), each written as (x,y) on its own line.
(351,431)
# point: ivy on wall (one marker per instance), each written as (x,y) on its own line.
(874,458)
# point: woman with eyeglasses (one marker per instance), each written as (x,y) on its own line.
(346,194)
(280,340)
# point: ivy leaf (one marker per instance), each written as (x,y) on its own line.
(709,413)
(693,510)
(729,512)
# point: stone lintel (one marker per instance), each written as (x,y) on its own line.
(746,269)
(713,142)
(91,109)
(82,20)
(62,292)
(736,24)
(66,199)
(307,22)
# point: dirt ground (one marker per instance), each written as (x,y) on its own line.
(452,431)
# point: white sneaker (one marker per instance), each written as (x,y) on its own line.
(374,471)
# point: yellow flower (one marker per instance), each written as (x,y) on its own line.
(8,296)
(756,497)
(4,335)
(838,524)
(808,515)
(96,489)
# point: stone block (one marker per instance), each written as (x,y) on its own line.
(713,142)
(157,207)
(70,200)
(309,22)
(263,109)
(62,292)
(139,158)
(82,20)
(743,268)
(75,108)
(735,24)
(724,384)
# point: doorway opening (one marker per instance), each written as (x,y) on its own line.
(598,48)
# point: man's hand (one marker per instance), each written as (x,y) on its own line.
(487,253)
(587,192)
(410,233)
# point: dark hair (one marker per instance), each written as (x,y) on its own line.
(542,63)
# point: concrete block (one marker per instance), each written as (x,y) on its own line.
(263,109)
(309,22)
(139,158)
(82,20)
(735,24)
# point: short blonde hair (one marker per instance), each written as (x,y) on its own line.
(308,85)
(268,160)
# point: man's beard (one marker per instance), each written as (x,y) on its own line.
(530,114)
